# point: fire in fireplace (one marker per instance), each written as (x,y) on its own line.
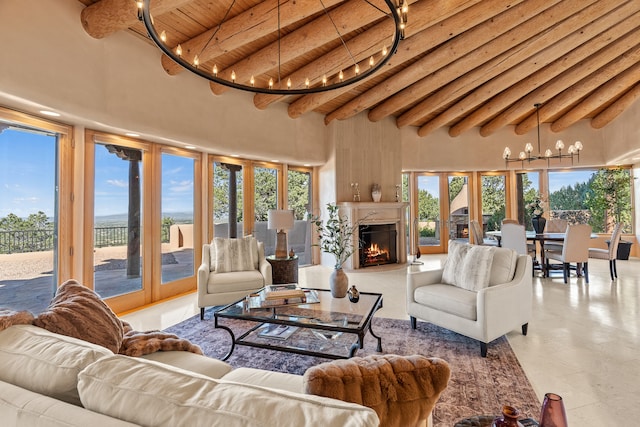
(378,244)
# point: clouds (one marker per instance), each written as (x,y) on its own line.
(118,183)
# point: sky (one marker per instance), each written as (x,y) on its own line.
(27,178)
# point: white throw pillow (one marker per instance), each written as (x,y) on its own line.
(153,394)
(233,255)
(45,362)
(457,253)
(473,274)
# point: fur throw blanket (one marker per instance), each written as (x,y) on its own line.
(77,311)
(137,343)
(401,389)
(12,317)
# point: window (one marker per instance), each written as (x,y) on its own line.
(35,211)
(494,200)
(599,197)
(227,199)
(527,188)
(299,199)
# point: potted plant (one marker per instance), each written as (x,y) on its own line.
(336,237)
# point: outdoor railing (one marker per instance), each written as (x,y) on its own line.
(20,241)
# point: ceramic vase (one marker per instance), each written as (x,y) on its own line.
(553,414)
(376,195)
(354,294)
(338,283)
(509,418)
(538,223)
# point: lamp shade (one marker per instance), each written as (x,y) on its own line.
(280,219)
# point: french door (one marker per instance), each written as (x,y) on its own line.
(441,210)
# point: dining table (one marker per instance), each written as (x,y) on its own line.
(540,238)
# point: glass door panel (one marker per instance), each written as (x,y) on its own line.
(177,232)
(265,198)
(458,226)
(300,201)
(527,188)
(428,219)
(118,242)
(494,201)
(28,217)
(227,199)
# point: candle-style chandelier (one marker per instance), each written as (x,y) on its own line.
(358,66)
(527,155)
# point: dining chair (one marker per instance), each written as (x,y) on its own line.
(611,253)
(514,237)
(478,234)
(555,226)
(575,250)
(509,221)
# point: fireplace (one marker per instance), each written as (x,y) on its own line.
(378,244)
(384,221)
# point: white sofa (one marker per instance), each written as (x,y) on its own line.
(219,288)
(482,311)
(48,379)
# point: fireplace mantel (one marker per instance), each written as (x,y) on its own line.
(377,213)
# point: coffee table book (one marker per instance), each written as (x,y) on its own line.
(260,300)
(279,332)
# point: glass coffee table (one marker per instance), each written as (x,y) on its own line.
(332,328)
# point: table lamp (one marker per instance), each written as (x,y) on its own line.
(280,220)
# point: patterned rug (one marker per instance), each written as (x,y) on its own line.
(477,385)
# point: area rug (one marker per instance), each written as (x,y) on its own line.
(478,386)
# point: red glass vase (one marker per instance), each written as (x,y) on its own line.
(509,418)
(553,414)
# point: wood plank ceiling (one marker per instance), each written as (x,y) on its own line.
(463,64)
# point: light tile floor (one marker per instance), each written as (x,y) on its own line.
(583,341)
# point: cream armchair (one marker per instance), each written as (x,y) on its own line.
(485,304)
(227,277)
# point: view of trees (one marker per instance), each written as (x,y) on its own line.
(493,200)
(31,234)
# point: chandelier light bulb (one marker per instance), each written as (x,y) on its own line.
(578,145)
(215,70)
(307,82)
(271,83)
(357,69)
(572,149)
(196,61)
(341,75)
(252,81)
(528,148)
(289,83)
(371,61)
(163,36)
(179,50)
(139,3)
(324,80)
(384,51)
(548,153)
(506,153)
(522,156)
(233,76)
(559,144)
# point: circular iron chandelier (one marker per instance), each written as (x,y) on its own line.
(347,74)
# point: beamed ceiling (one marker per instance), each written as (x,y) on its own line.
(463,63)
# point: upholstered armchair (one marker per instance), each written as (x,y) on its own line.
(230,270)
(482,292)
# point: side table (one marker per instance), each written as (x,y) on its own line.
(283,270)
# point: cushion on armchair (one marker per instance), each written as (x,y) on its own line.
(401,389)
(229,255)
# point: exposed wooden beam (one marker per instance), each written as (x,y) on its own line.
(521,79)
(424,14)
(465,43)
(244,28)
(347,17)
(473,69)
(580,89)
(610,90)
(517,75)
(413,45)
(105,17)
(611,112)
(554,84)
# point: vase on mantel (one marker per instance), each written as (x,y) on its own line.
(376,192)
(553,414)
(509,418)
(338,283)
(538,223)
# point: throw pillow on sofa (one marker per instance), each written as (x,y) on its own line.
(78,312)
(149,393)
(45,362)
